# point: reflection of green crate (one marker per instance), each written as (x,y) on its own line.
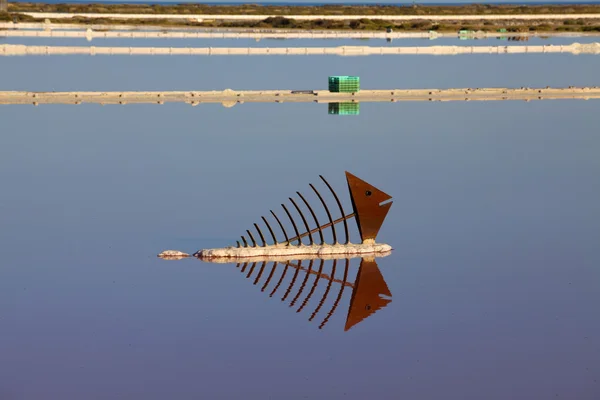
(345,84)
(349,108)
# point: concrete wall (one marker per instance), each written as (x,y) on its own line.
(230,97)
(575,48)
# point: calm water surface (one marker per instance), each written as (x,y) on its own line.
(495,228)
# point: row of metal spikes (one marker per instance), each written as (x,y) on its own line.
(288,241)
(318,276)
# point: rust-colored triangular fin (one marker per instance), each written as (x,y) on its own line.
(366,299)
(366,202)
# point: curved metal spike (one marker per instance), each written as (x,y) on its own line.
(289,289)
(238,244)
(273,268)
(270,230)
(244,240)
(326,291)
(314,217)
(314,286)
(262,238)
(287,240)
(310,238)
(340,206)
(251,238)
(339,296)
(293,224)
(303,282)
(327,211)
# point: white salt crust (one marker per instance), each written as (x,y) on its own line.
(317,251)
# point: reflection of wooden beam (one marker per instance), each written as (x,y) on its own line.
(320,275)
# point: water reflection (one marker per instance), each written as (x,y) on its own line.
(322,283)
(345,108)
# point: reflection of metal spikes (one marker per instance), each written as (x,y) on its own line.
(262,268)
(314,286)
(303,283)
(369,290)
(244,267)
(279,282)
(339,296)
(269,277)
(251,269)
(326,292)
(320,275)
(369,205)
(289,289)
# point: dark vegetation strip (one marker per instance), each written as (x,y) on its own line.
(282,23)
(254,9)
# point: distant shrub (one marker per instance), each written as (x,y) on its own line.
(278,22)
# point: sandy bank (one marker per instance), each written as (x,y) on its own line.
(39,30)
(22,50)
(230,97)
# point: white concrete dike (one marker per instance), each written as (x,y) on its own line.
(63,29)
(249,17)
(23,50)
(101,33)
(229,98)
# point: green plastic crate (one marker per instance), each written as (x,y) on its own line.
(344,84)
(347,108)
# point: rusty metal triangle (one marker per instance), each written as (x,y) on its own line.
(366,202)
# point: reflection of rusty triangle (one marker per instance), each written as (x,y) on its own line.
(366,296)
(366,202)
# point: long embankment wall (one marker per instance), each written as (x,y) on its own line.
(202,17)
(22,50)
(230,97)
(133,31)
(101,32)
